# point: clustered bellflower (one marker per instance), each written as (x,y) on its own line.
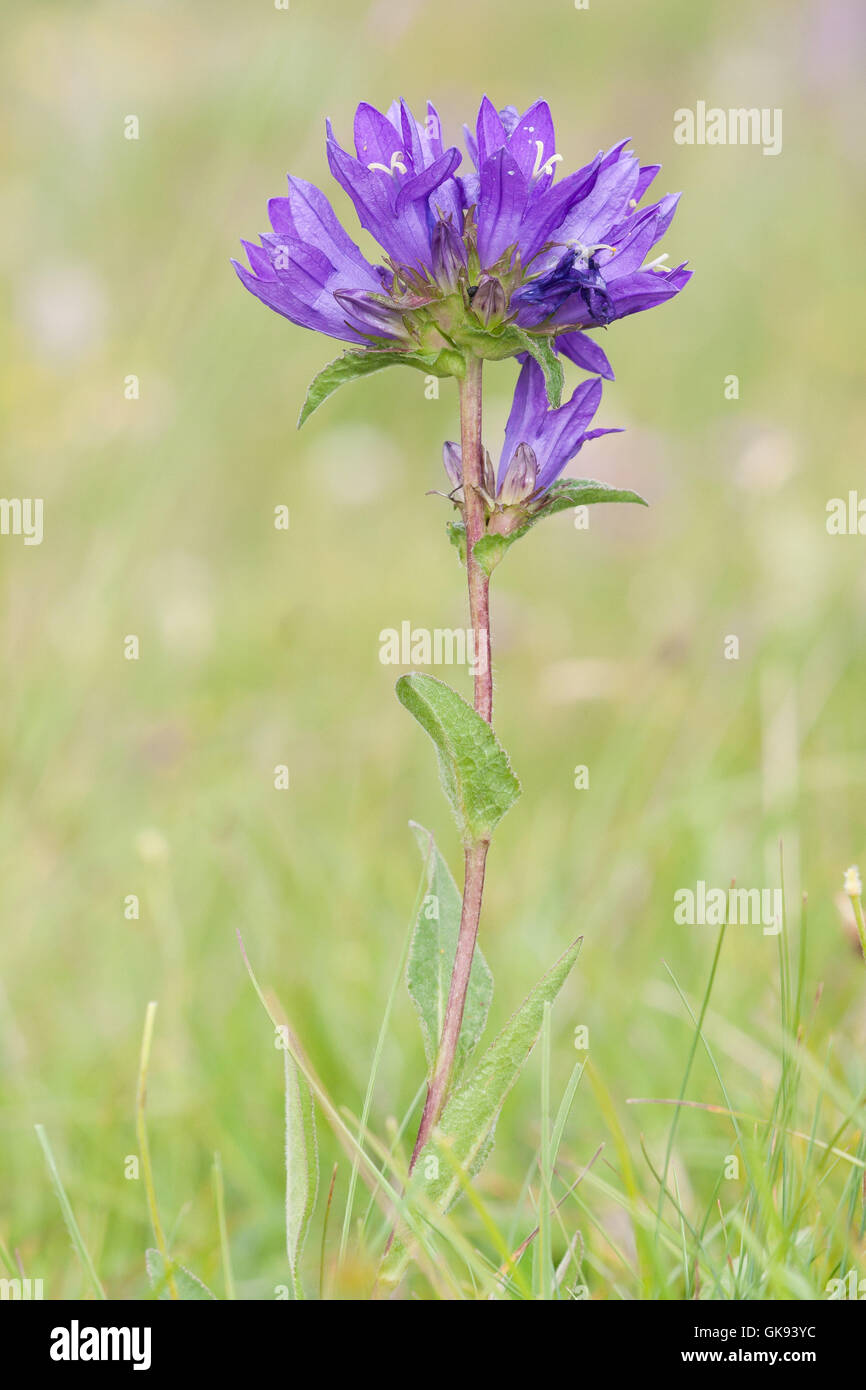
(501,255)
(469,252)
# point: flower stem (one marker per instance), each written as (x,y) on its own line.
(473,517)
(475,854)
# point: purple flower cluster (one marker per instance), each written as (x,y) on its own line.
(482,261)
(568,255)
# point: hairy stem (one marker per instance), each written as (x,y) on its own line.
(475,855)
(473,517)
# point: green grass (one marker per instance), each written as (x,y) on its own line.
(259,647)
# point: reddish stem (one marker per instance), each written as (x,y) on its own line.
(475,854)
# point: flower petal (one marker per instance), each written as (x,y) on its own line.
(528,411)
(564,434)
(491,134)
(533,129)
(376,138)
(585,352)
(501,204)
(424,183)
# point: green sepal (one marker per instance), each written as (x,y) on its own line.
(562,497)
(457,536)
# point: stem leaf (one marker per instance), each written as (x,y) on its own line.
(464,1136)
(431,960)
(469,1119)
(474,768)
(353,364)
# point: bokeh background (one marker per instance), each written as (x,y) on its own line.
(260,647)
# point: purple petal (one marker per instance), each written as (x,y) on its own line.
(614,153)
(528,411)
(471,145)
(509,116)
(593,217)
(412,141)
(501,205)
(645,178)
(534,127)
(324,316)
(376,139)
(549,212)
(432,134)
(490,132)
(564,435)
(585,352)
(407,238)
(424,183)
(315,221)
(631,248)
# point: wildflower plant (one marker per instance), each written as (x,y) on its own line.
(495,257)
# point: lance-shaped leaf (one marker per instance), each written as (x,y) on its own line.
(562,496)
(354,364)
(464,1135)
(302,1164)
(431,960)
(474,768)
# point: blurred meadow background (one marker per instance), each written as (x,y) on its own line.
(260,647)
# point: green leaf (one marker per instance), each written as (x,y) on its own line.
(464,1136)
(302,1164)
(457,536)
(362,363)
(469,1119)
(489,550)
(431,960)
(562,497)
(474,768)
(543,351)
(189,1288)
(581,492)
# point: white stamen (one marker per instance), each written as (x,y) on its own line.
(397,166)
(547,166)
(658,263)
(584,252)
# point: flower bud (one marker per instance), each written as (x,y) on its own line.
(520,477)
(449,254)
(853,882)
(452,457)
(374,314)
(489,302)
